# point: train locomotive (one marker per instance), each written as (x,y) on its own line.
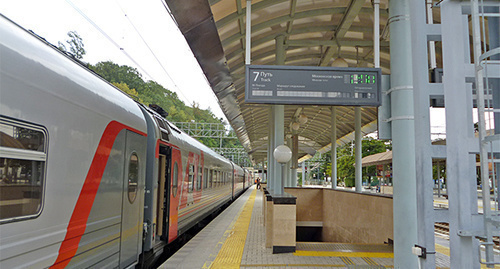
(88,176)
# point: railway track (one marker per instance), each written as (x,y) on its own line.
(444,228)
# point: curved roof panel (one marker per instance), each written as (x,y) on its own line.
(316,32)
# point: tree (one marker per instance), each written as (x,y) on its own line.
(346,159)
(75,43)
(131,92)
(120,74)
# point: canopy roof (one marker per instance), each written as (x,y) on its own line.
(316,33)
(377,159)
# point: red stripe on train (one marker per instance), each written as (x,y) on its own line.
(78,222)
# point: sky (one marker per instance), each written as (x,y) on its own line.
(140,34)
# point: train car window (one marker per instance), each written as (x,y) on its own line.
(211,179)
(160,123)
(191,178)
(23,155)
(200,176)
(205,178)
(175,179)
(133,177)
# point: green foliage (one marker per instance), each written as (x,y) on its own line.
(130,81)
(131,92)
(345,164)
(120,74)
(346,159)
(75,43)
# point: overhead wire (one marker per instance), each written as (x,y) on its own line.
(110,39)
(152,52)
(107,36)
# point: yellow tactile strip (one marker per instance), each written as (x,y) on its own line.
(323,249)
(343,254)
(344,247)
(304,265)
(231,252)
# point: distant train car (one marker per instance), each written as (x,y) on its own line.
(249,180)
(88,177)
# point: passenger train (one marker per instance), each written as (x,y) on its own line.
(89,177)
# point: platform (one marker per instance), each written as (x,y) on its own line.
(236,239)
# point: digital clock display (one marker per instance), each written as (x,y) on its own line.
(362,79)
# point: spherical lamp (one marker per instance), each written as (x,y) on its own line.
(282,154)
(340,62)
(302,118)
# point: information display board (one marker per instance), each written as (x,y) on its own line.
(305,85)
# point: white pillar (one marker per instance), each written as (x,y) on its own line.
(279,133)
(334,147)
(270,148)
(357,140)
(403,137)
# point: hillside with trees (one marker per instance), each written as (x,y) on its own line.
(130,81)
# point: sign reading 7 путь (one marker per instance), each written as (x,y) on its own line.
(301,85)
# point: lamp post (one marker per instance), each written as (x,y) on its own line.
(282,154)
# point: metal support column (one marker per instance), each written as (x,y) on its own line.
(494,27)
(263,174)
(376,33)
(357,140)
(485,177)
(295,153)
(288,165)
(248,33)
(460,165)
(278,111)
(403,134)
(439,178)
(303,165)
(432,45)
(334,147)
(270,159)
(279,135)
(423,156)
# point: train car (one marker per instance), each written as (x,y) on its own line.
(88,177)
(249,180)
(239,179)
(185,182)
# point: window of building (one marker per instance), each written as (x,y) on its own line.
(23,154)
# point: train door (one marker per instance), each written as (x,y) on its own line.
(131,226)
(164,175)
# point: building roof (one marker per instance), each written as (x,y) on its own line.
(377,159)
